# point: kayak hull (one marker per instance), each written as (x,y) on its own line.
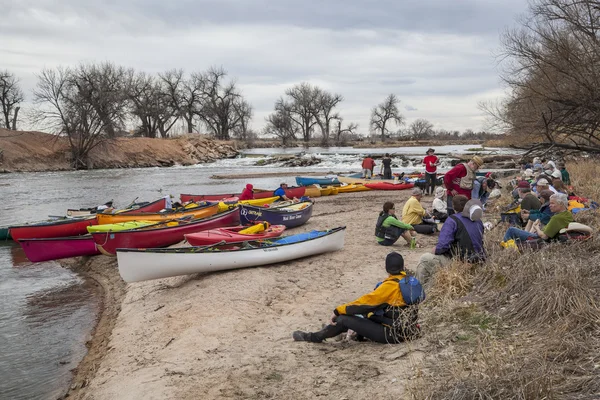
(308,180)
(109,242)
(196,212)
(389,186)
(140,265)
(250,215)
(231,235)
(53,229)
(39,250)
(258,194)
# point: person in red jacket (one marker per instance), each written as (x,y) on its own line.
(459,180)
(247,193)
(368,165)
(431,162)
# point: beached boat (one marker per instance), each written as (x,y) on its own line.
(201,211)
(52,229)
(39,250)
(290,216)
(326,191)
(389,186)
(290,192)
(231,235)
(351,188)
(144,206)
(313,191)
(254,202)
(145,264)
(162,235)
(309,180)
(5,234)
(362,181)
(121,226)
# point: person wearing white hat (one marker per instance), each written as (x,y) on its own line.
(461,236)
(561,219)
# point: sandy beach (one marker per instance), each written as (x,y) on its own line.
(228,335)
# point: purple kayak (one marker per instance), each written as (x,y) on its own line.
(38,250)
(290,216)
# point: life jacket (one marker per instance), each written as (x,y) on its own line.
(382,232)
(462,246)
(466,182)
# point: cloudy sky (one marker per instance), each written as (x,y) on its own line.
(437,56)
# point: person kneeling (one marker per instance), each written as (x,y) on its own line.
(389,229)
(387,315)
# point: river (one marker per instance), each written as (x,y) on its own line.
(48,312)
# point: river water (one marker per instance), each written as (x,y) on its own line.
(48,312)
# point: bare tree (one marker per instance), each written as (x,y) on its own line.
(420,128)
(221,104)
(302,107)
(11,96)
(281,124)
(242,131)
(82,104)
(342,132)
(385,114)
(323,111)
(551,66)
(152,103)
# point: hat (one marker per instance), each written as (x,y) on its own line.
(473,210)
(477,160)
(430,149)
(394,263)
(577,227)
(543,182)
(282,183)
(556,174)
(528,172)
(523,185)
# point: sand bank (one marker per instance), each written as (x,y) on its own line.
(228,335)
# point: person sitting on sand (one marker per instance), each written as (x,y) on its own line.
(543,214)
(414,214)
(461,236)
(385,315)
(439,204)
(561,218)
(248,193)
(389,229)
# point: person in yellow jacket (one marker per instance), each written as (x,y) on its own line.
(386,315)
(414,214)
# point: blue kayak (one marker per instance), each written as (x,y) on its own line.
(307,181)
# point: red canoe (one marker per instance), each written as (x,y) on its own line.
(230,235)
(152,207)
(163,235)
(52,229)
(258,194)
(389,186)
(38,250)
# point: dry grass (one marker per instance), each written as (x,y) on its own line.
(535,317)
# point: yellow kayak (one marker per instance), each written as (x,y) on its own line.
(196,212)
(352,188)
(254,202)
(326,191)
(121,226)
(334,190)
(312,191)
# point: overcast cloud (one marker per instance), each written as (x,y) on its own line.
(435,55)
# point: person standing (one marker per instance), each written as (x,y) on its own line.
(459,180)
(431,162)
(386,166)
(367,167)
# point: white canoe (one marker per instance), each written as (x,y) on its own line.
(144,264)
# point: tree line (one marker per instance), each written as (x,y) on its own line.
(550,64)
(91,103)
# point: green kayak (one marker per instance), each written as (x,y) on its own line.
(4,234)
(121,226)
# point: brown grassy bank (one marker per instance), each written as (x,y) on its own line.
(522,326)
(38,151)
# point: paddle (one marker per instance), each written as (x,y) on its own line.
(132,203)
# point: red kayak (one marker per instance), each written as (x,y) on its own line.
(161,235)
(258,194)
(52,229)
(230,235)
(389,186)
(38,250)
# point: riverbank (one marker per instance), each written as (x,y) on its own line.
(229,334)
(38,151)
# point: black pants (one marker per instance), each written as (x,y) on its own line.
(387,173)
(388,242)
(440,215)
(425,228)
(362,326)
(430,181)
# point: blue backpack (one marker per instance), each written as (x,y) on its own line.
(412,290)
